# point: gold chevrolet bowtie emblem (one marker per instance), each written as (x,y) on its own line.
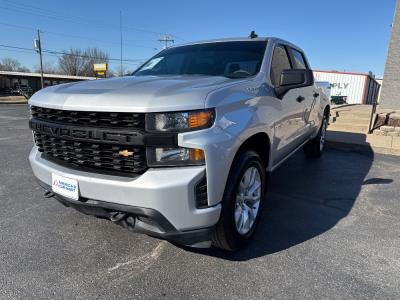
(125,153)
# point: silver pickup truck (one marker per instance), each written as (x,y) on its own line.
(182,149)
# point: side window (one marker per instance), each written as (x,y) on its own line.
(299,62)
(280,62)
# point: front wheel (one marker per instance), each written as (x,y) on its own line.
(242,202)
(315,147)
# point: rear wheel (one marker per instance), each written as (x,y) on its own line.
(242,202)
(315,147)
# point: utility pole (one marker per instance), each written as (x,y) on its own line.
(120,33)
(165,39)
(38,47)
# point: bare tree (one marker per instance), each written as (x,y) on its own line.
(24,69)
(9,64)
(80,63)
(48,68)
(72,62)
(94,56)
(12,64)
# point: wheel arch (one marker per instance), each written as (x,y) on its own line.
(260,143)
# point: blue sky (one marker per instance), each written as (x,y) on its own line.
(349,35)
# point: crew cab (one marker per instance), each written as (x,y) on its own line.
(182,149)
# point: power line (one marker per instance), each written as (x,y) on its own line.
(78,37)
(16,47)
(38,11)
(52,54)
(69,54)
(17,26)
(110,62)
(16,50)
(87,56)
(96,40)
(33,8)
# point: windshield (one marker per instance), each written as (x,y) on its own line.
(229,59)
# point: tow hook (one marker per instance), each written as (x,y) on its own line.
(48,194)
(123,219)
(130,221)
(117,216)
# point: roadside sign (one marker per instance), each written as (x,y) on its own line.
(100,69)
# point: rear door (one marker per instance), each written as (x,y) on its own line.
(289,127)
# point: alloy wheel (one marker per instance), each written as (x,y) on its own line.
(247,200)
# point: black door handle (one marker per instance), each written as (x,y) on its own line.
(300,99)
(316,95)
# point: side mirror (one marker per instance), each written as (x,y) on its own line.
(293,79)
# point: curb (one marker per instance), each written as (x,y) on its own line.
(13,102)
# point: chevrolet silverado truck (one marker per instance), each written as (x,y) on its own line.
(182,149)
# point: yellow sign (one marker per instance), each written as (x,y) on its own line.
(100,67)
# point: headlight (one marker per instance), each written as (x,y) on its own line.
(180,121)
(174,156)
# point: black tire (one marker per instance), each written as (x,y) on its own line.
(225,234)
(315,147)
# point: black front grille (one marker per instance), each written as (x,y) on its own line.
(95,156)
(102,142)
(87,118)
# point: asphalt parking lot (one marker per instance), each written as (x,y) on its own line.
(331,229)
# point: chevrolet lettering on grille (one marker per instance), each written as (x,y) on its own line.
(88,134)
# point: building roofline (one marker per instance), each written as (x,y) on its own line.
(60,76)
(346,73)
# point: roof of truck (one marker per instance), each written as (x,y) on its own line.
(240,39)
(231,39)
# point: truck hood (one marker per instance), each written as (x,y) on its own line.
(132,93)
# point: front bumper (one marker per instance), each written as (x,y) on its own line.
(168,191)
(137,219)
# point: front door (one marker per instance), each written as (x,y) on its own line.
(290,126)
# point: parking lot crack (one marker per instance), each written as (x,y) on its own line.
(144,261)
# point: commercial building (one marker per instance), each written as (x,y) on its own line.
(10,81)
(358,88)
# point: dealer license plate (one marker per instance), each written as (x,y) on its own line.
(64,186)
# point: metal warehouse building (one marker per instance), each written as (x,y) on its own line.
(357,87)
(10,80)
